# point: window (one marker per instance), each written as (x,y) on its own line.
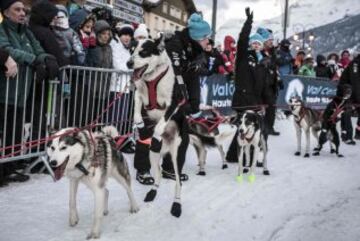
(175,12)
(185,17)
(164,25)
(172,27)
(165,7)
(157,23)
(177,27)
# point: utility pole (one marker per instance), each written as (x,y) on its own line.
(213,24)
(286,16)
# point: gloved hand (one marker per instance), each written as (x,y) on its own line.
(52,67)
(198,66)
(40,69)
(249,15)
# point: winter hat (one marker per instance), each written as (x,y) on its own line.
(5,4)
(77,18)
(320,58)
(256,38)
(285,43)
(43,13)
(124,29)
(141,31)
(198,28)
(100,26)
(266,34)
(63,9)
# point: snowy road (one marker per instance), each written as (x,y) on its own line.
(303,200)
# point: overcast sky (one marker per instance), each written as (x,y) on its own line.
(227,9)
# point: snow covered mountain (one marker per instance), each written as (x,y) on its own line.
(304,15)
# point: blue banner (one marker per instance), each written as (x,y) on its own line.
(217,91)
(315,92)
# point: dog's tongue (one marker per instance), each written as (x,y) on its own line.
(59,171)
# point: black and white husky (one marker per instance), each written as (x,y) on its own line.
(305,119)
(251,139)
(203,136)
(90,158)
(154,79)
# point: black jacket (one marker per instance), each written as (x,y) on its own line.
(249,75)
(215,60)
(189,62)
(3,57)
(41,16)
(322,70)
(351,76)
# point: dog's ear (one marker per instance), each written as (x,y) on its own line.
(160,42)
(51,130)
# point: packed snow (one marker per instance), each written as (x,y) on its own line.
(304,199)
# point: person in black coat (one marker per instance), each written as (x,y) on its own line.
(321,69)
(351,76)
(250,75)
(186,51)
(284,59)
(216,64)
(42,14)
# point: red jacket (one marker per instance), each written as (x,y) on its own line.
(229,53)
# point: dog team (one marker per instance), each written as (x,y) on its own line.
(168,118)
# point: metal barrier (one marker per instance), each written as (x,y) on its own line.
(81,96)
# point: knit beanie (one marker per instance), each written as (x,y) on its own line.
(256,38)
(198,28)
(100,26)
(5,4)
(63,9)
(141,31)
(124,29)
(266,34)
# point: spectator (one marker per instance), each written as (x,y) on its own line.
(284,58)
(20,43)
(141,32)
(345,59)
(321,69)
(273,81)
(249,76)
(120,45)
(299,61)
(102,55)
(229,54)
(86,33)
(216,63)
(308,68)
(351,76)
(42,14)
(335,68)
(67,38)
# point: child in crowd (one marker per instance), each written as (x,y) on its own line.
(87,34)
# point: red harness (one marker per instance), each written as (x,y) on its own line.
(152,92)
(338,109)
(209,124)
(301,115)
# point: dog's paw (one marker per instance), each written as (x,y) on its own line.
(93,235)
(74,220)
(224,166)
(176,209)
(201,173)
(259,164)
(307,155)
(332,151)
(266,172)
(134,208)
(297,153)
(246,170)
(316,149)
(316,154)
(106,212)
(150,196)
(340,155)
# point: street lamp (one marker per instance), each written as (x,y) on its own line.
(302,36)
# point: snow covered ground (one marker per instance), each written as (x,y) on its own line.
(303,200)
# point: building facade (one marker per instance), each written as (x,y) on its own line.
(170,15)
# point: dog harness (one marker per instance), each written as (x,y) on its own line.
(301,116)
(152,86)
(209,124)
(338,109)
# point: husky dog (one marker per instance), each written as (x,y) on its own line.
(202,136)
(154,79)
(305,119)
(250,135)
(90,158)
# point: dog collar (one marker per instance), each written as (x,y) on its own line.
(82,169)
(152,92)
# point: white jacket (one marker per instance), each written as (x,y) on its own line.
(120,57)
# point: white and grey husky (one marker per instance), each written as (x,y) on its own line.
(89,158)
